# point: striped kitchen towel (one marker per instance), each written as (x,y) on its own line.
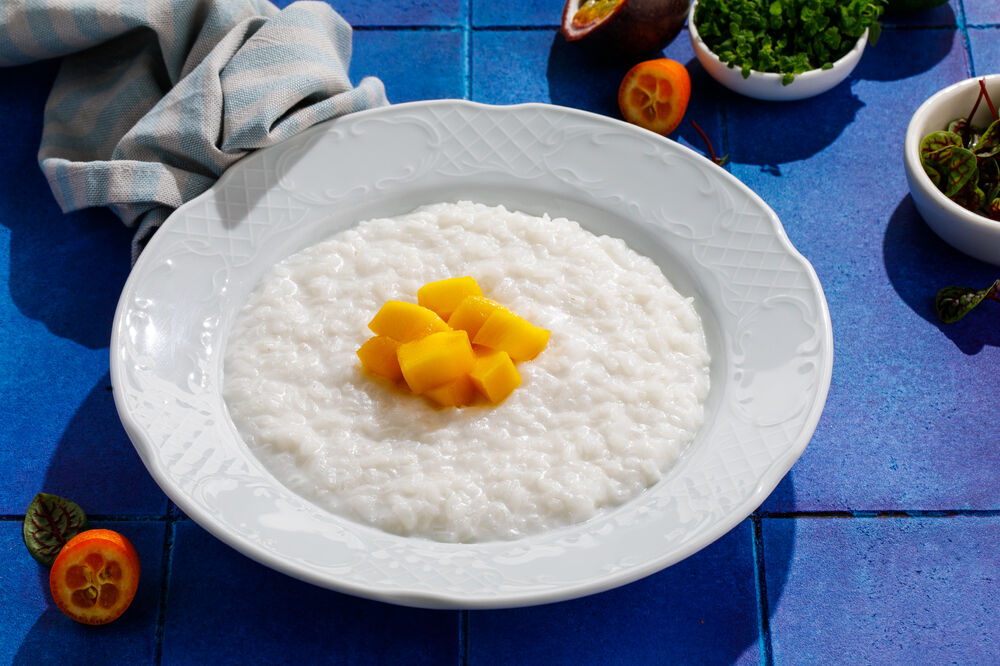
(154,99)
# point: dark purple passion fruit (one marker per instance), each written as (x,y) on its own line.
(624,28)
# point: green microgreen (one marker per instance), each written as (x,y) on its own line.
(962,160)
(785,36)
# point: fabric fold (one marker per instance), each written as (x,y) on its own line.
(154,100)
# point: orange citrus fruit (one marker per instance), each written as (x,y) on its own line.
(95,576)
(654,94)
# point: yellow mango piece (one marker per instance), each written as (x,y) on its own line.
(404,321)
(443,296)
(495,376)
(504,330)
(378,356)
(456,393)
(471,312)
(435,359)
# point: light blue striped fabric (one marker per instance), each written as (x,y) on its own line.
(154,99)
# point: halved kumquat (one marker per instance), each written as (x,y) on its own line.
(654,95)
(95,576)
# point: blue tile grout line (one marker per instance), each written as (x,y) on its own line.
(963,28)
(99,517)
(467,55)
(960,20)
(456,27)
(166,568)
(463,638)
(514,28)
(763,612)
(881,513)
(409,28)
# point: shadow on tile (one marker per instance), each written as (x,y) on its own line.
(902,54)
(226,608)
(782,498)
(581,79)
(775,133)
(66,271)
(779,544)
(942,15)
(56,639)
(95,465)
(919,263)
(704,108)
(702,610)
(770,133)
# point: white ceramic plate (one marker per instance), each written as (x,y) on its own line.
(764,312)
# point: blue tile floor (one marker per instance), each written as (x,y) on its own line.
(882,545)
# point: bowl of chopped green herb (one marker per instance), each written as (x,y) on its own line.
(951,154)
(782,51)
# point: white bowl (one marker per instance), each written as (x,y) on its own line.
(975,235)
(767,85)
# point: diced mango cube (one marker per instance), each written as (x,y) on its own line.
(456,393)
(495,376)
(378,356)
(404,321)
(453,345)
(435,359)
(515,335)
(471,312)
(443,296)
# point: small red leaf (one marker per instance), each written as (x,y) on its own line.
(49,523)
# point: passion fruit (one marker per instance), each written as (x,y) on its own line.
(624,28)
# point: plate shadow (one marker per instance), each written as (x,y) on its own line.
(919,263)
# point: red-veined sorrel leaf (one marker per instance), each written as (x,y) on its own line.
(49,523)
(935,141)
(953,303)
(962,160)
(988,144)
(958,167)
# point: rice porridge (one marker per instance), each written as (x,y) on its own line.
(600,415)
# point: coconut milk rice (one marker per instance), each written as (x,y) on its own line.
(600,415)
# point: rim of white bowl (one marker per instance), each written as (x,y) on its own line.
(776,76)
(911,147)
